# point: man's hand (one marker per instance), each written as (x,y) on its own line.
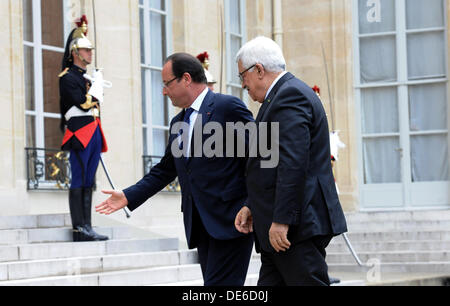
(116,201)
(244,221)
(278,237)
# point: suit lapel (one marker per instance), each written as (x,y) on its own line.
(269,100)
(265,107)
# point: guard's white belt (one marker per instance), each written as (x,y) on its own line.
(76,112)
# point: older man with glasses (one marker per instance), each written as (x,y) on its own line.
(293,208)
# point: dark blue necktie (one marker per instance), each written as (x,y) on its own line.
(187,118)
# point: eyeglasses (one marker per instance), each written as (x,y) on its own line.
(241,75)
(166,84)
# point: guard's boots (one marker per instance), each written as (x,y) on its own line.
(80,233)
(87,206)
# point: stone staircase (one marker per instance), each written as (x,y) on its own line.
(37,250)
(398,247)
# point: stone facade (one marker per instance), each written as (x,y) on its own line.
(307,26)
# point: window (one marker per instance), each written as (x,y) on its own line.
(43,42)
(155,47)
(235,38)
(401,88)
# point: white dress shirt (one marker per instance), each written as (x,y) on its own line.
(274,82)
(196,107)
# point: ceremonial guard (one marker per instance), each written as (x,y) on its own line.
(80,123)
(204,59)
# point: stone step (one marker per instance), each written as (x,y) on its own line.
(402,225)
(437,280)
(136,277)
(378,246)
(417,215)
(385,257)
(252,280)
(26,252)
(139,277)
(93,264)
(164,220)
(401,235)
(442,268)
(391,257)
(34,221)
(56,234)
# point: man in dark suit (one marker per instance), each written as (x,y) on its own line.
(293,207)
(213,189)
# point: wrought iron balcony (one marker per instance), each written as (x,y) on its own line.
(149,162)
(47,169)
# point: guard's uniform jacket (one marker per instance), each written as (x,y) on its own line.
(80,110)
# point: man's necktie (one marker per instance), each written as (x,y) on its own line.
(187,119)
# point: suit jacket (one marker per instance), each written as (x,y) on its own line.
(300,191)
(216,186)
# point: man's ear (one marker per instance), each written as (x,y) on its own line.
(187,78)
(260,70)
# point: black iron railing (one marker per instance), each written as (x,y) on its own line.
(149,162)
(47,169)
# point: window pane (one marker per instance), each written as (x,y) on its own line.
(429,158)
(237,92)
(30,125)
(27,20)
(157,4)
(159,105)
(428,107)
(145,142)
(378,59)
(142,32)
(379,110)
(424,14)
(381,160)
(144,95)
(426,55)
(158,38)
(159,142)
(53,136)
(236,43)
(235,17)
(52,23)
(374,19)
(29,77)
(51,63)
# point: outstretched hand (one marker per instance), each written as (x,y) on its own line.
(116,201)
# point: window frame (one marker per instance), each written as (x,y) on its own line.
(402,84)
(38,48)
(230,57)
(148,148)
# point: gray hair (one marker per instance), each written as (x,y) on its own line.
(264,51)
